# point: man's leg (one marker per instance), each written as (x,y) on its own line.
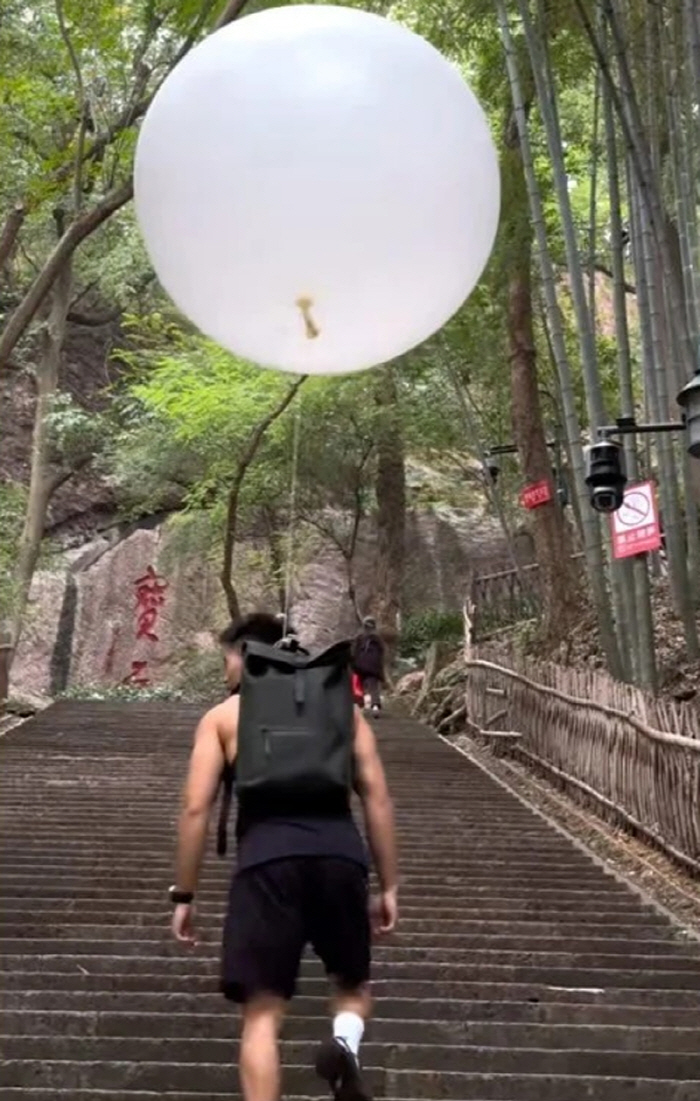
(366,691)
(351,1009)
(259,1062)
(263,943)
(375,694)
(338,910)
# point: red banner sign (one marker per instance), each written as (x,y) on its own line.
(536,494)
(635,527)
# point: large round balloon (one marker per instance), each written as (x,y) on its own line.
(317,188)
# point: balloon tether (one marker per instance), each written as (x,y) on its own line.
(289,571)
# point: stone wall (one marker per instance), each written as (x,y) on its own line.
(134,607)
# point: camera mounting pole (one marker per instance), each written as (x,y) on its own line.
(511,449)
(627,426)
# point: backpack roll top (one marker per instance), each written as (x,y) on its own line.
(296,724)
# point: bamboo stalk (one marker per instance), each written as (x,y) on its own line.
(589,521)
(642,636)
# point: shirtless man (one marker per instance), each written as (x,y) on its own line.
(298,880)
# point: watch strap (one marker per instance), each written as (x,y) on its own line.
(180,898)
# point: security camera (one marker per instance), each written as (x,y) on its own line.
(492,467)
(605,475)
(689,400)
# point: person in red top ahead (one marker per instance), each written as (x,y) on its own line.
(368,663)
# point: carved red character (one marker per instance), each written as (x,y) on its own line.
(138,674)
(150,597)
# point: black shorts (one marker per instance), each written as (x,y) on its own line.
(276,909)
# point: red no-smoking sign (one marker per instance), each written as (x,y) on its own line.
(635,527)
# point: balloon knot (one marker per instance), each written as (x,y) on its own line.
(312,329)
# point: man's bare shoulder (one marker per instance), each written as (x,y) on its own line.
(224,720)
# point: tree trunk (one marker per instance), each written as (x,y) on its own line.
(650,299)
(41,482)
(549,110)
(560,582)
(250,451)
(57,263)
(590,525)
(641,617)
(8,236)
(391,512)
(272,524)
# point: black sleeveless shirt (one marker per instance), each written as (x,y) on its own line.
(267,831)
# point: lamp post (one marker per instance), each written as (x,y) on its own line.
(606,477)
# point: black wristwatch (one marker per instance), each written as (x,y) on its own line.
(180,898)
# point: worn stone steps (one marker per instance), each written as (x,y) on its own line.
(201,1080)
(521,971)
(181,983)
(458,946)
(465,1058)
(51,1006)
(445,925)
(385,1030)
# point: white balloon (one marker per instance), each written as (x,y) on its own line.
(317,188)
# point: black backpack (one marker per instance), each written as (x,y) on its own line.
(369,644)
(295,728)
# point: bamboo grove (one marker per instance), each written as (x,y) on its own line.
(644,151)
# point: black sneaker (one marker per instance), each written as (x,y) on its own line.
(337,1065)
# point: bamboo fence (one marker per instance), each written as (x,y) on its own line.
(506,597)
(634,755)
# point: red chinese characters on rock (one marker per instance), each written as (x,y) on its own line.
(138,675)
(150,598)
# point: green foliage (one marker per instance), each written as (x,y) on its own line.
(123,693)
(13,501)
(434,625)
(74,433)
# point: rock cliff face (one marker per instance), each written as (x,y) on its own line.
(136,608)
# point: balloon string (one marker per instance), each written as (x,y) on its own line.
(312,329)
(292,517)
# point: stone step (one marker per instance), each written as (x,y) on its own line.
(207,1078)
(654,1013)
(184,982)
(382,1030)
(454,1058)
(458,946)
(443,975)
(444,924)
(681,973)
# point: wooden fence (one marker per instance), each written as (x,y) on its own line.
(501,599)
(506,597)
(636,756)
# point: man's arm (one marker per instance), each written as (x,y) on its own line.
(376,804)
(206,764)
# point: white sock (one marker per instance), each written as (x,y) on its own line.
(349,1027)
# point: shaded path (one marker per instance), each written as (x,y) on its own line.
(521,972)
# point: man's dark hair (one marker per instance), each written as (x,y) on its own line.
(259,626)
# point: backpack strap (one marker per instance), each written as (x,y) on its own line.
(228,777)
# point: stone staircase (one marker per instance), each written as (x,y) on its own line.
(521,971)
